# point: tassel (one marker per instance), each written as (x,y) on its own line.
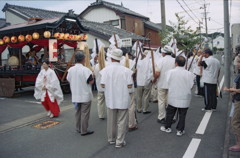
(87,58)
(127,61)
(101,58)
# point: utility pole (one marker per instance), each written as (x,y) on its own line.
(205,16)
(227,49)
(163,16)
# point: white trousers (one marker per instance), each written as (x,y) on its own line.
(131,111)
(101,105)
(162,103)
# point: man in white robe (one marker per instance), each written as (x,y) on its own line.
(116,81)
(80,79)
(166,63)
(180,83)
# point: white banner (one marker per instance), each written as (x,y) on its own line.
(53,55)
(127,42)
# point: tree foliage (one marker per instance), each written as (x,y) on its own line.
(185,36)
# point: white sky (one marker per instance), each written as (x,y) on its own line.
(151,9)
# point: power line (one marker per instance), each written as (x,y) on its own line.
(190,9)
(187,12)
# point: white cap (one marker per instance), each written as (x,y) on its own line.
(115,54)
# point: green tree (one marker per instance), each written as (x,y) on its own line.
(185,36)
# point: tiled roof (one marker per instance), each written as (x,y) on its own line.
(3,23)
(108,30)
(152,25)
(102,30)
(115,7)
(32,12)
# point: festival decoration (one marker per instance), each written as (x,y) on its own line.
(6,39)
(1,42)
(66,35)
(47,34)
(35,35)
(14,39)
(71,37)
(21,38)
(78,38)
(28,37)
(57,35)
(61,36)
(85,37)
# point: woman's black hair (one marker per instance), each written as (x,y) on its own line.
(46,61)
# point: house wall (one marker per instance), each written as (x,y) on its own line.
(154,36)
(235,36)
(13,19)
(218,42)
(134,25)
(101,15)
(91,39)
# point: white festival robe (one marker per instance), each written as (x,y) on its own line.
(50,80)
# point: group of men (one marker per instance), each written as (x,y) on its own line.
(115,79)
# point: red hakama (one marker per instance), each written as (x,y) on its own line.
(51,106)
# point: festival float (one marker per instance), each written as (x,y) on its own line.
(46,36)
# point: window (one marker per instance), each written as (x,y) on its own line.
(112,22)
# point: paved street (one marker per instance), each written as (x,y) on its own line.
(23,141)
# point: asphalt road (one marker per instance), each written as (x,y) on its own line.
(63,141)
(19,139)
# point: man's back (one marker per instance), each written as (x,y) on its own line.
(116,79)
(164,64)
(77,77)
(211,70)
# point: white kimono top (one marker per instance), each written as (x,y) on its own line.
(98,76)
(116,79)
(144,71)
(81,90)
(165,64)
(180,83)
(50,80)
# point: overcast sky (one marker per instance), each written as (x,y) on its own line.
(151,9)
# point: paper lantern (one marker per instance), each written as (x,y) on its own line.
(1,42)
(78,38)
(35,35)
(6,39)
(61,36)
(47,34)
(85,37)
(28,37)
(14,39)
(21,38)
(57,35)
(66,35)
(70,37)
(74,37)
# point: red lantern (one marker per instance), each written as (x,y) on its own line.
(21,38)
(28,37)
(66,35)
(70,37)
(6,39)
(61,36)
(1,42)
(47,34)
(35,35)
(57,35)
(14,39)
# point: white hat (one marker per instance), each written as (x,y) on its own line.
(166,49)
(115,54)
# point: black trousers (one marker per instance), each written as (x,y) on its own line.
(200,89)
(182,112)
(210,96)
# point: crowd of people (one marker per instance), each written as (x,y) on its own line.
(125,86)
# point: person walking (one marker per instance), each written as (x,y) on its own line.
(47,88)
(211,71)
(180,82)
(116,81)
(81,79)
(166,63)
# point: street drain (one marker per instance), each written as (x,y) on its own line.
(46,124)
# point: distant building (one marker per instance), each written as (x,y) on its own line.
(218,42)
(124,18)
(235,36)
